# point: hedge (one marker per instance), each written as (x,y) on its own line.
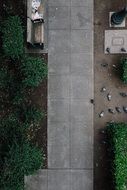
(117,133)
(124,70)
(12,37)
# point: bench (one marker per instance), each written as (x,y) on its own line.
(35,27)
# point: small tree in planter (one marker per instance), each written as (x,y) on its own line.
(124,70)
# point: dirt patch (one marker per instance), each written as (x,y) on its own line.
(106,75)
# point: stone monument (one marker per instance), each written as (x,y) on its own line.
(118,17)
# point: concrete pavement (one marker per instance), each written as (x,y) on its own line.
(70,88)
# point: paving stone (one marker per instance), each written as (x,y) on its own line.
(59,2)
(81,134)
(81,64)
(81,87)
(59,41)
(58,86)
(58,180)
(81,180)
(81,41)
(59,156)
(59,63)
(87,3)
(81,157)
(58,133)
(58,145)
(58,110)
(38,181)
(59,17)
(81,110)
(81,18)
(81,145)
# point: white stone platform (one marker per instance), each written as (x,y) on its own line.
(115,40)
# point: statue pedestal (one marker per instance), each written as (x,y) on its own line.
(115,42)
(122,25)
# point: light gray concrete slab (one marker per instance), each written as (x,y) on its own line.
(59,17)
(59,63)
(58,180)
(59,156)
(81,145)
(81,41)
(38,181)
(81,87)
(87,3)
(81,134)
(81,180)
(81,110)
(58,145)
(58,86)
(82,156)
(81,64)
(58,133)
(59,2)
(81,18)
(59,41)
(58,110)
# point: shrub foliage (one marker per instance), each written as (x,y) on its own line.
(118,142)
(18,156)
(31,115)
(22,159)
(12,37)
(33,70)
(124,70)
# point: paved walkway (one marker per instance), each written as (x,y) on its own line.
(70,88)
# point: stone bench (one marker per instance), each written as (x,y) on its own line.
(35,28)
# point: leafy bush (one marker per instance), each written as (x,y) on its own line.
(12,37)
(22,159)
(17,156)
(3,77)
(10,84)
(34,70)
(118,141)
(18,97)
(11,129)
(6,79)
(31,115)
(124,70)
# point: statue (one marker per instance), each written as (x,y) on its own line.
(118,17)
